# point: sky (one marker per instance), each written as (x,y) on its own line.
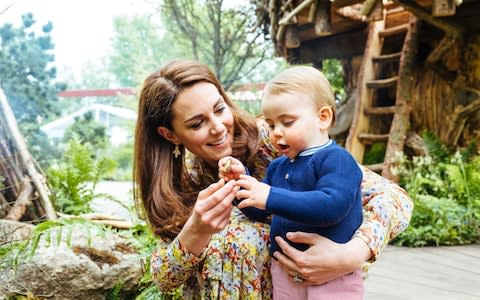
(81,28)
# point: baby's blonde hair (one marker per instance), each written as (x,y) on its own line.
(303,79)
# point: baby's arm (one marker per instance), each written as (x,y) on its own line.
(230,168)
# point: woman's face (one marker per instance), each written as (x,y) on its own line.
(203,122)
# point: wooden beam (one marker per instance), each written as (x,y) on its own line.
(380,110)
(448,27)
(340,45)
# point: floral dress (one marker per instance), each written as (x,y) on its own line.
(236,262)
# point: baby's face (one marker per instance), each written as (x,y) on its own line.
(295,122)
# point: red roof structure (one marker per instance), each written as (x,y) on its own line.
(98,93)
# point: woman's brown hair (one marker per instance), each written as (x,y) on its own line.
(164,188)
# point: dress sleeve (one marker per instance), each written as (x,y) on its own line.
(172,264)
(387,209)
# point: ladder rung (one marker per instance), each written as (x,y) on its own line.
(393,30)
(382,83)
(375,167)
(387,57)
(369,138)
(380,110)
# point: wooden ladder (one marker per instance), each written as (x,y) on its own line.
(382,110)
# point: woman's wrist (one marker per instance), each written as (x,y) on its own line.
(357,253)
(193,240)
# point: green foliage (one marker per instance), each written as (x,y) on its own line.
(139,49)
(86,130)
(74,178)
(375,154)
(252,107)
(225,37)
(142,238)
(28,79)
(445,188)
(123,157)
(114,294)
(333,70)
(52,233)
(435,148)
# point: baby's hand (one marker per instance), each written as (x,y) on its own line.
(230,168)
(253,193)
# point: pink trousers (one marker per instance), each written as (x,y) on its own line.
(347,287)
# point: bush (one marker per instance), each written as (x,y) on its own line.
(445,188)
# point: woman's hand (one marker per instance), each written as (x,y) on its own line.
(324,260)
(210,215)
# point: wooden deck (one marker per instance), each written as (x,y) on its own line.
(425,273)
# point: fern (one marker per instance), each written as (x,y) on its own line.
(435,148)
(446,194)
(75,177)
(43,232)
(114,294)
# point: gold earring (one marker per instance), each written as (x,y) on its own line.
(176,152)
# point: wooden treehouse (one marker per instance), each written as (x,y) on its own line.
(409,66)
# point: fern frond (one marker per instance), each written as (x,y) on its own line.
(114,294)
(59,236)
(469,152)
(435,148)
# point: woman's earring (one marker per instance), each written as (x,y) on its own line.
(176,151)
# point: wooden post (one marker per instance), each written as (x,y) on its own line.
(322,19)
(292,39)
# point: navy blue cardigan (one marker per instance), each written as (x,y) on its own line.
(318,192)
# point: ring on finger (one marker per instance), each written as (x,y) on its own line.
(297,278)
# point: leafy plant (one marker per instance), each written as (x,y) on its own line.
(114,294)
(445,188)
(375,154)
(51,232)
(333,70)
(86,130)
(142,238)
(74,178)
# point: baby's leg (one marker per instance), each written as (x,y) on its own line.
(347,287)
(283,286)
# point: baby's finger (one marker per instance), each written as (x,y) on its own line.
(245,203)
(245,184)
(243,194)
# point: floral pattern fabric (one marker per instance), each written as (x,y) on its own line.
(236,262)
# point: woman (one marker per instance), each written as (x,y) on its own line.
(206,244)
